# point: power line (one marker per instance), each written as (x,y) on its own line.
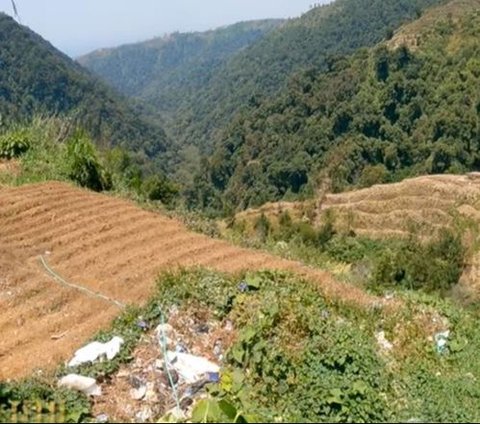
(15,11)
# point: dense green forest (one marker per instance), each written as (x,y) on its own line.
(163,70)
(377,116)
(35,78)
(263,68)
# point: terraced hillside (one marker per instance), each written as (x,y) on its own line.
(419,206)
(422,205)
(106,245)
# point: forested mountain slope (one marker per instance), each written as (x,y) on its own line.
(35,78)
(263,68)
(163,70)
(377,116)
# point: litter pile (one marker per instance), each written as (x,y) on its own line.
(171,366)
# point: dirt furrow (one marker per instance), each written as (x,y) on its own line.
(107,245)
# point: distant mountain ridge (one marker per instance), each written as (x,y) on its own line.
(381,115)
(159,69)
(196,112)
(36,78)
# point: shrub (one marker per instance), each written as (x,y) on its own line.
(371,175)
(159,187)
(263,227)
(14,144)
(433,266)
(83,165)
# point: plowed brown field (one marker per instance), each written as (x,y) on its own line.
(107,245)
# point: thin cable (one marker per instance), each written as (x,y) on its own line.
(88,292)
(165,358)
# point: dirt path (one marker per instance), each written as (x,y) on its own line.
(107,245)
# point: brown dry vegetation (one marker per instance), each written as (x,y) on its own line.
(108,245)
(420,206)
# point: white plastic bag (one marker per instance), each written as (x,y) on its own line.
(191,368)
(93,351)
(83,384)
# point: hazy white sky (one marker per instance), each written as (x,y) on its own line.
(79,26)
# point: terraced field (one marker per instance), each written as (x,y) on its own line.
(422,205)
(107,245)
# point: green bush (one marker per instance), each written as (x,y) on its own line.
(14,144)
(263,227)
(159,187)
(432,266)
(83,164)
(374,174)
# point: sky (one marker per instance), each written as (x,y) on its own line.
(79,26)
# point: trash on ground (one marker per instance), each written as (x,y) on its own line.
(83,384)
(181,347)
(143,325)
(138,394)
(441,340)
(164,331)
(213,377)
(101,418)
(202,328)
(382,341)
(228,325)
(191,368)
(135,382)
(144,415)
(95,350)
(243,287)
(218,350)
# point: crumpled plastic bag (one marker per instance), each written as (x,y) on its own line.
(95,350)
(83,384)
(191,368)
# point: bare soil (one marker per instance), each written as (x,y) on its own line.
(107,245)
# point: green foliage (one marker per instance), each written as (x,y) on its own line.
(166,70)
(36,400)
(377,116)
(190,76)
(262,227)
(431,266)
(216,411)
(158,187)
(83,165)
(13,144)
(35,78)
(300,367)
(373,174)
(301,358)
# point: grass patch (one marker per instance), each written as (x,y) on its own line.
(300,357)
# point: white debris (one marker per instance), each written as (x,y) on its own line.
(164,331)
(86,385)
(95,350)
(144,415)
(173,415)
(441,340)
(382,341)
(138,394)
(191,368)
